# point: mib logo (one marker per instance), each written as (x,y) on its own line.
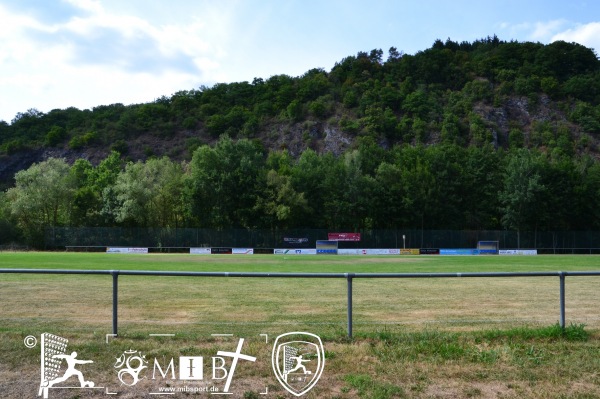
(132,366)
(298,361)
(129,365)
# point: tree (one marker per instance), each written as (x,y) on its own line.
(149,194)
(94,198)
(283,206)
(419,183)
(42,197)
(8,229)
(521,192)
(224,183)
(480,182)
(387,203)
(308,176)
(55,136)
(84,198)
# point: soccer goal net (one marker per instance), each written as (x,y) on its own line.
(488,247)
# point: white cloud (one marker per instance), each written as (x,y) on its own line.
(543,30)
(559,29)
(100,57)
(534,31)
(586,34)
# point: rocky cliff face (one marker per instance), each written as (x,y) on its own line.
(520,114)
(517,113)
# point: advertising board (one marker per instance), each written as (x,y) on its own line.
(296,240)
(410,251)
(123,250)
(200,251)
(295,251)
(459,251)
(221,251)
(527,252)
(263,251)
(343,237)
(242,251)
(429,251)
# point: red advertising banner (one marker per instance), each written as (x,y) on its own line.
(343,236)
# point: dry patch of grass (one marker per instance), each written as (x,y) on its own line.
(198,303)
(414,338)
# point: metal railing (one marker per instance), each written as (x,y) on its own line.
(348,276)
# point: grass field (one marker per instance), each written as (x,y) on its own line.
(422,338)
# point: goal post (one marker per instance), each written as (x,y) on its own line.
(488,247)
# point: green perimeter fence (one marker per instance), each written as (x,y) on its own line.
(557,242)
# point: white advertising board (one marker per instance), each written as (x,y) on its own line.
(372,251)
(242,251)
(296,251)
(518,252)
(200,251)
(121,250)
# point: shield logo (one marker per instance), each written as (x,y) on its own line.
(298,361)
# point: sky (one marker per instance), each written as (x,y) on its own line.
(56,54)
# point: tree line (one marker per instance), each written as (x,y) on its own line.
(237,183)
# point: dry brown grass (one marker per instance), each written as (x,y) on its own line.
(435,350)
(86,302)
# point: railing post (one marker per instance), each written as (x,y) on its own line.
(561,275)
(115,304)
(349,277)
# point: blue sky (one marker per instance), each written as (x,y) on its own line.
(84,53)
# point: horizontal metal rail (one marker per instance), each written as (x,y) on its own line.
(348,276)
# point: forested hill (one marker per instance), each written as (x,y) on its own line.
(481,135)
(507,94)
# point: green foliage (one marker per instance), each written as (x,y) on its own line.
(441,139)
(523,190)
(149,194)
(120,146)
(281,203)
(438,86)
(55,136)
(295,111)
(223,184)
(479,90)
(9,232)
(516,138)
(84,140)
(572,332)
(14,146)
(41,197)
(349,125)
(587,116)
(367,387)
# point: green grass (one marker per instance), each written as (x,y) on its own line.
(293,263)
(413,338)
